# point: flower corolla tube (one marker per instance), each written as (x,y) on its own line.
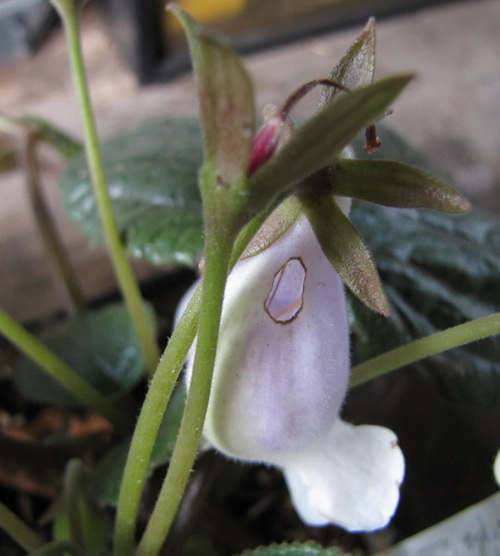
(280,378)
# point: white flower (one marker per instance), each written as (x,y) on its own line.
(280,378)
(496,468)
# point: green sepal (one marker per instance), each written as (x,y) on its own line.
(278,222)
(226,103)
(346,250)
(357,67)
(322,139)
(393,184)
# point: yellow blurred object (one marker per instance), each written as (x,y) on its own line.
(205,11)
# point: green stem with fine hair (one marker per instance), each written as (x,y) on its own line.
(218,255)
(68,378)
(125,276)
(18,530)
(148,424)
(453,337)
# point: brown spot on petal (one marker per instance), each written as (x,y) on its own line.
(286,298)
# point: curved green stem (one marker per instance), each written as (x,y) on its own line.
(57,548)
(158,396)
(18,530)
(424,347)
(56,368)
(126,279)
(46,226)
(218,255)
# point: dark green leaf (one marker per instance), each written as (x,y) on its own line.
(322,138)
(438,271)
(152,174)
(101,346)
(226,101)
(357,67)
(109,470)
(393,184)
(346,250)
(306,549)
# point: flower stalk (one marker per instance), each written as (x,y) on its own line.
(69,11)
(434,344)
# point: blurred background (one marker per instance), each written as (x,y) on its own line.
(138,70)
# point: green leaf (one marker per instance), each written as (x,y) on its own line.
(346,250)
(438,271)
(101,346)
(152,174)
(322,138)
(393,184)
(109,470)
(306,549)
(226,101)
(357,67)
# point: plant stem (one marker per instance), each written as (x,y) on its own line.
(72,491)
(146,431)
(218,254)
(123,270)
(56,368)
(57,548)
(424,347)
(18,530)
(46,226)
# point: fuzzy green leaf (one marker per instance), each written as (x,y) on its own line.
(101,346)
(322,138)
(346,250)
(306,549)
(393,184)
(438,271)
(152,173)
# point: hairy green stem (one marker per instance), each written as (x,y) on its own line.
(146,431)
(18,530)
(56,368)
(57,548)
(424,347)
(123,270)
(218,254)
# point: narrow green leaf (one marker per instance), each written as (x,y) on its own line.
(305,549)
(346,250)
(322,138)
(357,67)
(393,184)
(226,102)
